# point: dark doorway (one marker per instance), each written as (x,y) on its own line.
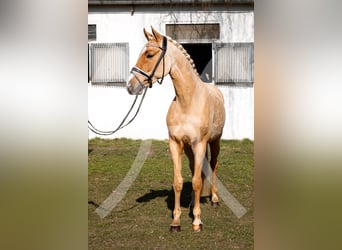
(201,53)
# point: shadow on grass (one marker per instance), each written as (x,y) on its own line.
(93,203)
(170,197)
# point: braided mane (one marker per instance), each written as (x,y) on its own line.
(187,56)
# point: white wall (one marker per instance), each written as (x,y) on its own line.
(108,105)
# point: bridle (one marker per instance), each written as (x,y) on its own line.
(149,80)
(150,76)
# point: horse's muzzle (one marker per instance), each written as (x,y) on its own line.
(134,88)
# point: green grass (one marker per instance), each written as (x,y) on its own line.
(141,220)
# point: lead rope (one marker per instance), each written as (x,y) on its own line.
(100,132)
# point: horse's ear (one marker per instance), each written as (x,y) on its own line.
(158,36)
(148,36)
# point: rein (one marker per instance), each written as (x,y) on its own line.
(101,132)
(149,80)
(150,76)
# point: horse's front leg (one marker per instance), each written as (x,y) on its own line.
(176,149)
(199,150)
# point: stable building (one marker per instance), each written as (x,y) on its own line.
(218,35)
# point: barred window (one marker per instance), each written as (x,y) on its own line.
(109,63)
(91,32)
(234,63)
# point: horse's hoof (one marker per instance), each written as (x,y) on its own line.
(175,228)
(197,228)
(215,203)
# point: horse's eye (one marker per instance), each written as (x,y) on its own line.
(149,55)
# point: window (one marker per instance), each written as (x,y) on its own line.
(234,63)
(91,38)
(109,63)
(201,54)
(197,39)
(91,32)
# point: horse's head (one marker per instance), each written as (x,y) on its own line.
(151,65)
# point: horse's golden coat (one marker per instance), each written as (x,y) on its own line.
(195,118)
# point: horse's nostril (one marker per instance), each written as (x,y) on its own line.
(130,88)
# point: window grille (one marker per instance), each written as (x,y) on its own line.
(109,62)
(234,63)
(91,32)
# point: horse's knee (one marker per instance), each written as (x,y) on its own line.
(196,184)
(178,184)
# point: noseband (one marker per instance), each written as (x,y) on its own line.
(150,76)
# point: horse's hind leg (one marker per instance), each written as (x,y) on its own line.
(188,152)
(199,150)
(214,150)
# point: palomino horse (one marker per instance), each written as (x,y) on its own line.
(195,118)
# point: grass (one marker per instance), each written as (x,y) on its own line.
(141,220)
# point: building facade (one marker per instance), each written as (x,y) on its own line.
(218,35)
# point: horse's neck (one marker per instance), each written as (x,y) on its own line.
(185,80)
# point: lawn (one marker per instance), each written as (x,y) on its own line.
(141,219)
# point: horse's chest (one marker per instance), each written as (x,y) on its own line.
(187,127)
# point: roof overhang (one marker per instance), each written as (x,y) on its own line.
(178,2)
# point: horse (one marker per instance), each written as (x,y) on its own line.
(195,118)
